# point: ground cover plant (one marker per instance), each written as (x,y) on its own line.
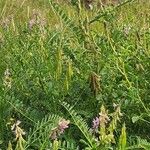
(75,75)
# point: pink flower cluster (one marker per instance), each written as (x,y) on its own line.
(62,125)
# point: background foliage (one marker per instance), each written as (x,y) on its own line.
(60,51)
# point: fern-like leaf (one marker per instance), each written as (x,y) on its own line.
(41,132)
(65,19)
(108,11)
(144,144)
(81,124)
(66,145)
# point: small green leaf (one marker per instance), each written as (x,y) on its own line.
(1,142)
(135,119)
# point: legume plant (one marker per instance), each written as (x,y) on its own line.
(75,75)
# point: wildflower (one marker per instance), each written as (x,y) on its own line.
(36,19)
(103,118)
(18,131)
(7,73)
(89,4)
(15,125)
(42,22)
(32,22)
(94,83)
(118,111)
(126,30)
(7,78)
(96,122)
(53,135)
(115,105)
(62,125)
(6,22)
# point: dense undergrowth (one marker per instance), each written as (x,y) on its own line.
(74,78)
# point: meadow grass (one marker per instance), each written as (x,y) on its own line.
(56,57)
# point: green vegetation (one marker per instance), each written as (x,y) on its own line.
(74,78)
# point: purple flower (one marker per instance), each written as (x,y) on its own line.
(96,123)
